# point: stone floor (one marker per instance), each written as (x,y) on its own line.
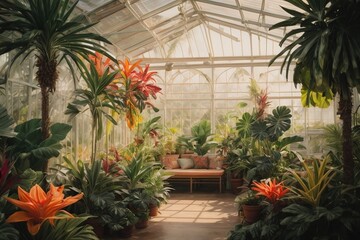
(197,216)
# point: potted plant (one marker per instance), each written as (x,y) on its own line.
(99,188)
(119,219)
(250,206)
(137,202)
(158,190)
(169,147)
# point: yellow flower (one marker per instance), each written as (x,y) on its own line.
(39,206)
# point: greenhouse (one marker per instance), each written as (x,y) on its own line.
(198,108)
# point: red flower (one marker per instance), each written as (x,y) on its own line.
(6,180)
(271,190)
(146,82)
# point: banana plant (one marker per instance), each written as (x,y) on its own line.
(29,149)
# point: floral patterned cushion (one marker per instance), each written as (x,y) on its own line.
(201,162)
(170,162)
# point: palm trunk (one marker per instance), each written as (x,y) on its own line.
(45,120)
(345,110)
(47,76)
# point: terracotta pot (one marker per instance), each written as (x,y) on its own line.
(153,210)
(236,183)
(142,223)
(97,227)
(251,213)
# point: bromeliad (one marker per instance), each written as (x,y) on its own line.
(39,206)
(271,190)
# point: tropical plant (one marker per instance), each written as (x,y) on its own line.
(147,131)
(117,216)
(201,139)
(69,228)
(98,98)
(169,139)
(327,52)
(270,189)
(249,199)
(312,186)
(260,150)
(99,189)
(6,121)
(8,232)
(139,85)
(158,189)
(138,170)
(29,149)
(48,29)
(38,206)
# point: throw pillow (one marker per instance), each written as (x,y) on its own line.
(186,163)
(201,162)
(216,162)
(170,162)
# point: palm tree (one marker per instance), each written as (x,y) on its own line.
(327,54)
(48,29)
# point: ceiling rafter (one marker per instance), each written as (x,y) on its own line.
(146,27)
(243,8)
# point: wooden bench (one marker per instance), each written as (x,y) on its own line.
(192,175)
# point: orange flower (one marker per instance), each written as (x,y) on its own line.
(100,63)
(271,190)
(39,206)
(128,68)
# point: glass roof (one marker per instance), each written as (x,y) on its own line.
(205,28)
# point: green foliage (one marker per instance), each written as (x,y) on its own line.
(28,147)
(98,187)
(260,151)
(326,44)
(312,186)
(201,139)
(49,28)
(138,170)
(336,222)
(6,121)
(7,231)
(63,229)
(117,216)
(98,99)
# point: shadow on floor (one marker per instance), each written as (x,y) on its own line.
(197,216)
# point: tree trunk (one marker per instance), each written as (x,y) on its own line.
(45,120)
(345,111)
(46,76)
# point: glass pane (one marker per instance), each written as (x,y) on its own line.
(145,6)
(89,5)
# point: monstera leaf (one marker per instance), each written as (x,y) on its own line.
(278,122)
(244,124)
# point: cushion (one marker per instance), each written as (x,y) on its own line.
(170,162)
(215,162)
(201,162)
(186,163)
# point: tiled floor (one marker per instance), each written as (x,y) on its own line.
(198,216)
